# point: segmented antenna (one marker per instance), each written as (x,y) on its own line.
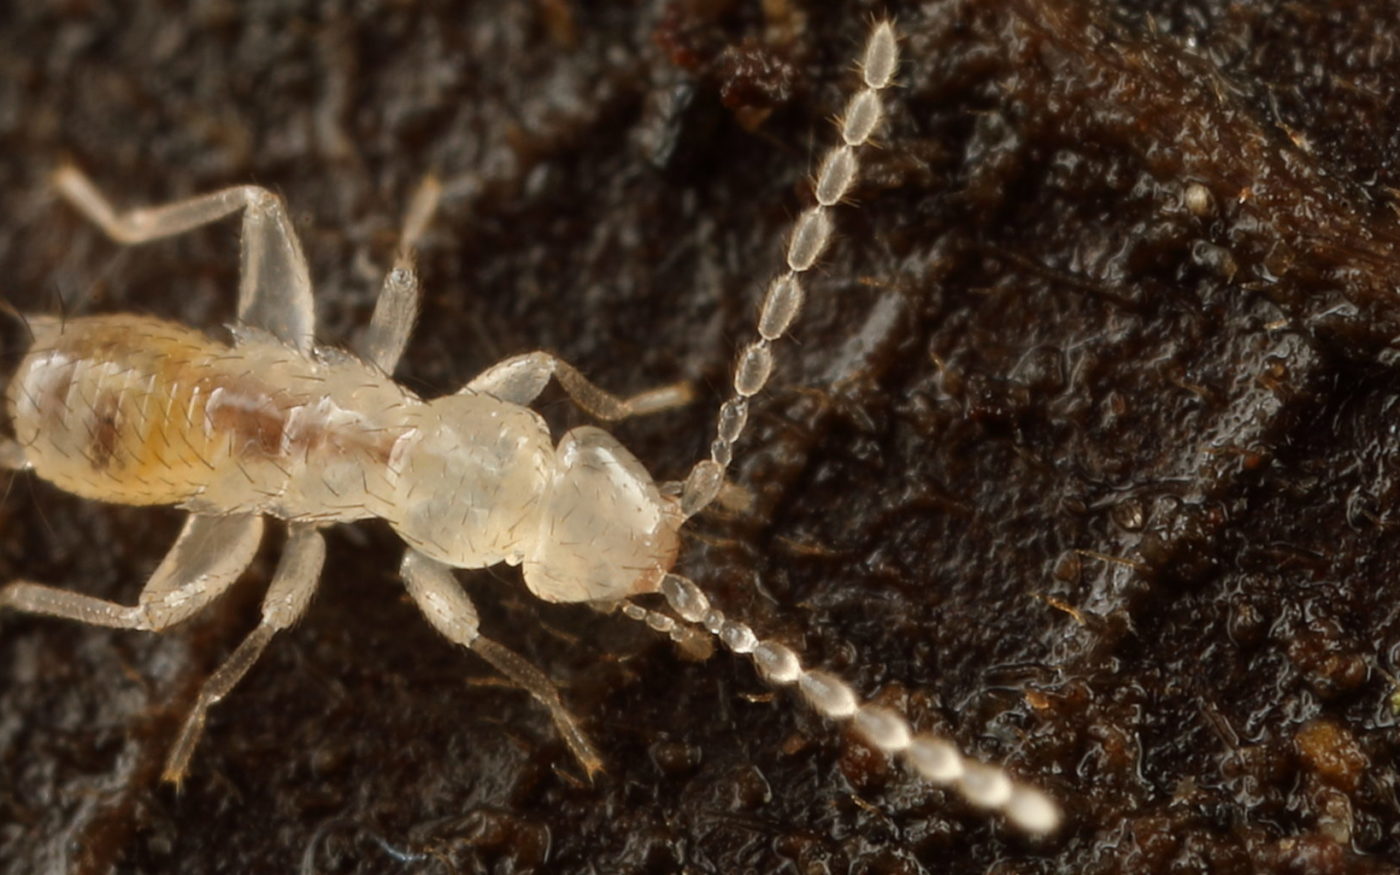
(810,235)
(937,760)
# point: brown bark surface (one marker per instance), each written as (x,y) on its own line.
(1081,452)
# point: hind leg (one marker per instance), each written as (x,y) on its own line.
(274,287)
(209,555)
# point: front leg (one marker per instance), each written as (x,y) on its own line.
(274,287)
(520,379)
(452,613)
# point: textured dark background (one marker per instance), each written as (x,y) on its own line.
(1092,476)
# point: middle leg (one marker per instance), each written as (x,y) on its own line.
(285,602)
(397,306)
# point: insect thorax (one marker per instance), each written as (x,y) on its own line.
(479,482)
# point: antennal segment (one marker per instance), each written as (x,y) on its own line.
(810,235)
(936,760)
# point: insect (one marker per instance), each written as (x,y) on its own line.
(141,411)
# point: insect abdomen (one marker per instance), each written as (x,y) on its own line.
(136,410)
(106,407)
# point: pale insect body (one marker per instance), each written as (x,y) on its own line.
(141,411)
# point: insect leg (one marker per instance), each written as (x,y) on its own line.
(274,288)
(209,555)
(286,600)
(451,612)
(520,379)
(397,307)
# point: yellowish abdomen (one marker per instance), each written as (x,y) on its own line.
(117,408)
